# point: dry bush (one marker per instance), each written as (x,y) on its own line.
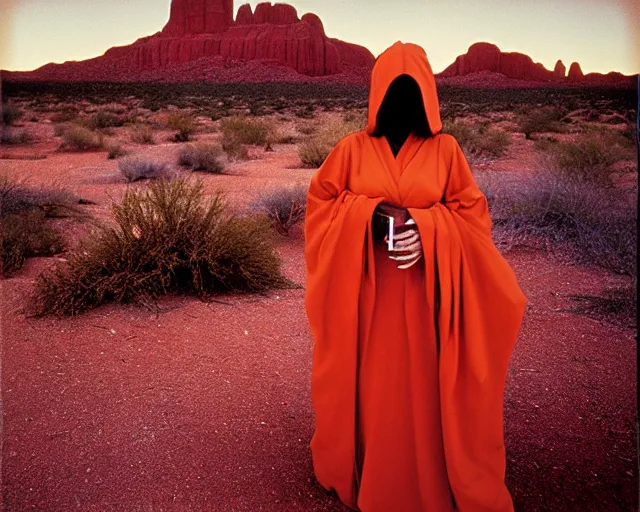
(306,128)
(356,117)
(79,138)
(540,120)
(284,207)
(165,238)
(104,119)
(314,150)
(135,168)
(590,155)
(202,157)
(116,151)
(142,134)
(477,139)
(24,229)
(247,130)
(11,137)
(234,148)
(10,114)
(594,225)
(185,124)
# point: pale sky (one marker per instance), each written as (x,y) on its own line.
(602,35)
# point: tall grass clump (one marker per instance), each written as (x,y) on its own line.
(165,238)
(313,151)
(135,168)
(142,134)
(284,207)
(247,130)
(540,120)
(184,124)
(590,155)
(24,228)
(79,138)
(477,139)
(202,157)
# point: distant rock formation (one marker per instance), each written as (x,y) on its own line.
(205,29)
(487,57)
(575,72)
(559,71)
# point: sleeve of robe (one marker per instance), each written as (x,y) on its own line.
(479,308)
(335,225)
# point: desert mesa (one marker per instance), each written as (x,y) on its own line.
(203,42)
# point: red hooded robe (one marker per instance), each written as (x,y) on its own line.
(409,366)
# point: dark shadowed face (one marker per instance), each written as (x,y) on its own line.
(402,110)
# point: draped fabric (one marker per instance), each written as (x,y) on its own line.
(409,366)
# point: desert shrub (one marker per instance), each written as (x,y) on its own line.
(202,157)
(358,117)
(247,130)
(116,151)
(285,207)
(16,198)
(79,138)
(234,148)
(26,236)
(590,155)
(142,134)
(594,225)
(307,128)
(104,119)
(24,229)
(544,143)
(12,137)
(305,112)
(165,238)
(134,168)
(477,139)
(540,120)
(183,123)
(314,150)
(10,114)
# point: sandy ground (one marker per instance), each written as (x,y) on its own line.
(206,406)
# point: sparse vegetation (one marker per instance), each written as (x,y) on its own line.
(116,151)
(247,130)
(13,137)
(24,228)
(183,123)
(285,207)
(202,157)
(135,168)
(165,238)
(590,155)
(477,139)
(79,138)
(10,114)
(142,134)
(592,224)
(104,119)
(314,150)
(540,120)
(234,148)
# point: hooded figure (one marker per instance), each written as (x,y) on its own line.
(409,361)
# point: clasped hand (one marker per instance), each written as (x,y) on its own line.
(407,246)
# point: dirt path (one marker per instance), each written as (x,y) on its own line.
(206,407)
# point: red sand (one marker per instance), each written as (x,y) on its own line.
(206,407)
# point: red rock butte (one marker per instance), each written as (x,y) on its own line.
(487,57)
(197,29)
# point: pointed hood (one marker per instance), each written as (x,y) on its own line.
(404,59)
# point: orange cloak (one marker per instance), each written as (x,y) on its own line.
(409,366)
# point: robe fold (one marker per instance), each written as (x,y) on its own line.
(409,366)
